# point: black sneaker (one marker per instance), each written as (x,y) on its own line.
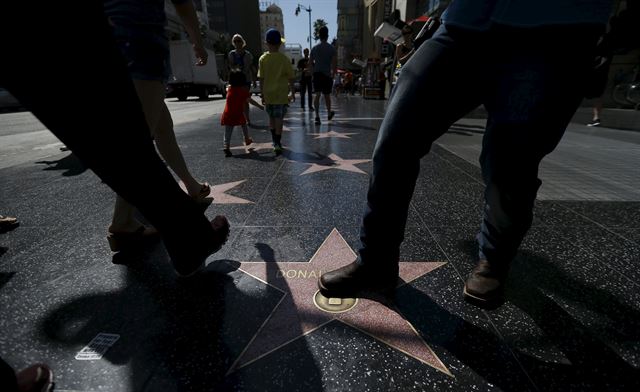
(484,286)
(227,152)
(354,278)
(594,123)
(331,114)
(317,120)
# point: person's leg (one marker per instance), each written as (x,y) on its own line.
(228,130)
(597,110)
(303,88)
(538,91)
(246,108)
(319,86)
(310,92)
(112,138)
(277,126)
(245,132)
(426,101)
(151,94)
(316,105)
(327,102)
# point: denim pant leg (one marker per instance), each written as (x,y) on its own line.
(537,91)
(435,89)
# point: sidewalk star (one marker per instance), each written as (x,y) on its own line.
(337,163)
(302,309)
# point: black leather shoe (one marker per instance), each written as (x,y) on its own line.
(485,285)
(348,281)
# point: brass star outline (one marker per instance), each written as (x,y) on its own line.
(296,314)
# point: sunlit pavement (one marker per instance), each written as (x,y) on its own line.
(253,321)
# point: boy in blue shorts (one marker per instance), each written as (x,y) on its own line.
(276,80)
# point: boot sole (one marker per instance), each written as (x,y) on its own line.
(489,303)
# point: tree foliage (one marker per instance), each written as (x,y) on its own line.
(316,26)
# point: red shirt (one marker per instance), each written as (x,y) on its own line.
(234,109)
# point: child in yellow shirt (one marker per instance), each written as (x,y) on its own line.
(276,81)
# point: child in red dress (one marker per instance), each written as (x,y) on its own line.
(237,95)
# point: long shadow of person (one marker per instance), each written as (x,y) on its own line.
(70,163)
(537,288)
(596,332)
(175,335)
(291,367)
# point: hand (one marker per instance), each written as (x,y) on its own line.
(201,54)
(292,98)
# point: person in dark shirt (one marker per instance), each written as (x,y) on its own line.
(305,79)
(528,66)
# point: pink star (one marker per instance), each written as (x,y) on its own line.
(220,197)
(335,134)
(337,163)
(298,313)
(218,193)
(255,146)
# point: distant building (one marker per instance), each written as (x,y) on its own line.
(229,17)
(349,35)
(294,52)
(271,18)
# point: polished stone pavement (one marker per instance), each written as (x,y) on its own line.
(252,321)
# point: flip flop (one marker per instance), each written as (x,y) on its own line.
(127,240)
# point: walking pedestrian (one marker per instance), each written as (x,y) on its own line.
(323,62)
(139,30)
(528,68)
(233,115)
(111,138)
(305,80)
(276,78)
(242,59)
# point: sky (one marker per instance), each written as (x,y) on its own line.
(296,28)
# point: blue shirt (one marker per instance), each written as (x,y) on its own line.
(481,14)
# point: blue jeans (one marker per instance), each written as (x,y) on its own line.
(529,80)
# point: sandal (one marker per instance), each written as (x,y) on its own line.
(35,378)
(203,196)
(126,240)
(8,223)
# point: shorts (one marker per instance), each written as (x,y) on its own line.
(322,83)
(276,111)
(146,52)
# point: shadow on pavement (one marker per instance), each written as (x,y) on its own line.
(70,164)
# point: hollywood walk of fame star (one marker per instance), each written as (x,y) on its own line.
(254,146)
(298,314)
(332,134)
(220,197)
(337,163)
